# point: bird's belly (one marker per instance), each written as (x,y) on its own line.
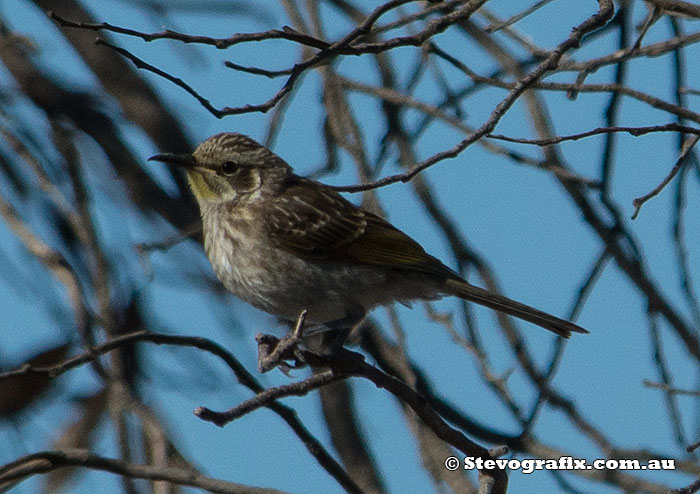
(284,285)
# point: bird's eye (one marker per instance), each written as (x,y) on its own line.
(229,167)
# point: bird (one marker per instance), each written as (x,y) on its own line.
(287,244)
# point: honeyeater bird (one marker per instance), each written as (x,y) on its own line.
(286,244)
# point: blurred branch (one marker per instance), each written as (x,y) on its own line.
(140,102)
(671,390)
(677,7)
(244,377)
(662,369)
(85,113)
(48,461)
(517,17)
(52,259)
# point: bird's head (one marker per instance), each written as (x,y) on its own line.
(229,166)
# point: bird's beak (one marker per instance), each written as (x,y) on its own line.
(186,161)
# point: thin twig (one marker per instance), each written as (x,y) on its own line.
(595,21)
(270,74)
(221,43)
(175,80)
(635,131)
(687,146)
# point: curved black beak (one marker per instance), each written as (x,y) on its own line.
(183,160)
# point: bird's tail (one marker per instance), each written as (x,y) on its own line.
(503,304)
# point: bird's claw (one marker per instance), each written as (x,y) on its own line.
(283,353)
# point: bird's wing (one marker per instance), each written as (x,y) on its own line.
(313,222)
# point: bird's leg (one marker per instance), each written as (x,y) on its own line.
(328,338)
(319,339)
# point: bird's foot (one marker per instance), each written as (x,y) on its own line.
(283,353)
(274,352)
